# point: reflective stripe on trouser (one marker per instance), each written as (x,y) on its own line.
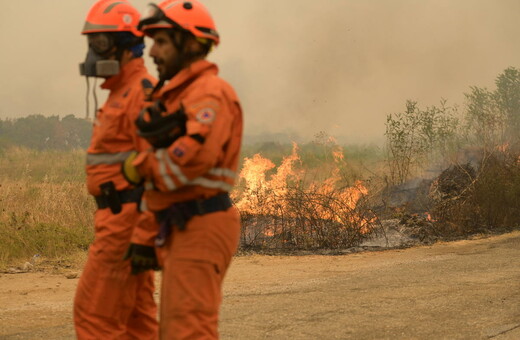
(195,263)
(110,303)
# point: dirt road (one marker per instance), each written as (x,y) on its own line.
(459,290)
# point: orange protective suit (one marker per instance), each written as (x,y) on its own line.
(195,260)
(110,303)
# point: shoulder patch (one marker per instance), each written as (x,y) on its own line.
(206,115)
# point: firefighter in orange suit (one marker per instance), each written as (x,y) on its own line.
(195,127)
(110,302)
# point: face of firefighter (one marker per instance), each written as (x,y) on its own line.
(166,55)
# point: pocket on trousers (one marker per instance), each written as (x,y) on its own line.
(194,286)
(114,291)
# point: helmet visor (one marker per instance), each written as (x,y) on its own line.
(101,43)
(154,15)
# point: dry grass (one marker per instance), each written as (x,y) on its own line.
(44,206)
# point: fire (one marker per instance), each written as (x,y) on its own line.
(257,186)
(338,156)
(276,195)
(254,171)
(503,148)
(429,217)
(278,181)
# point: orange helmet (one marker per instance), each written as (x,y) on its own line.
(112,16)
(188,15)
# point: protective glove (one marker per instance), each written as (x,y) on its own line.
(142,258)
(129,170)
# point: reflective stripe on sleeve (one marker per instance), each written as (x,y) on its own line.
(107,158)
(222,172)
(175,169)
(143,206)
(208,183)
(160,156)
(165,163)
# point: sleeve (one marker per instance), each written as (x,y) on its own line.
(138,104)
(208,129)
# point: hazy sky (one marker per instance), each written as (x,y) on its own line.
(299,66)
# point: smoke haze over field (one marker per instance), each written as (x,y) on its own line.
(298,66)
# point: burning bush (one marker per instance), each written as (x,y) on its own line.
(289,210)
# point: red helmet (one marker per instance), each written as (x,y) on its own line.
(191,16)
(112,16)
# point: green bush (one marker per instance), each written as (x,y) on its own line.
(493,117)
(417,136)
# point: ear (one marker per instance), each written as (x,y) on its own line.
(192,45)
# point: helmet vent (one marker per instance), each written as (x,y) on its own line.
(187,5)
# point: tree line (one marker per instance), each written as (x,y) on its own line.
(43,133)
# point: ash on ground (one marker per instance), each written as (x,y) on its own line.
(407,231)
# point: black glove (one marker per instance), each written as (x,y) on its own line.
(160,128)
(142,258)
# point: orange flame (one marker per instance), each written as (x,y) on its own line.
(503,148)
(259,190)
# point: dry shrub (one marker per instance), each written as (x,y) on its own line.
(294,207)
(497,191)
(469,199)
(308,217)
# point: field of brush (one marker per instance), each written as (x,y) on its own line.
(46,212)
(310,197)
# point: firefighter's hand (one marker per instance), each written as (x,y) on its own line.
(142,258)
(129,170)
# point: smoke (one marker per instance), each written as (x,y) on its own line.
(342,66)
(302,67)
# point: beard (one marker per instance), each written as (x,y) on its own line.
(167,69)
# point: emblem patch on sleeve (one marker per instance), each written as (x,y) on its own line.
(147,89)
(178,152)
(206,115)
